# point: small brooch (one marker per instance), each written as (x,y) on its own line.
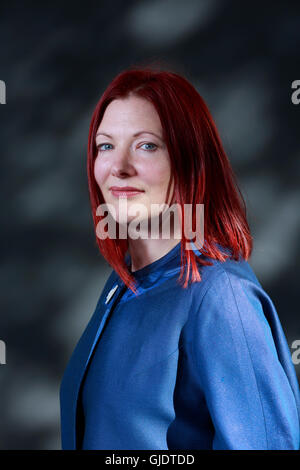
(111,293)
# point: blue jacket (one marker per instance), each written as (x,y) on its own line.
(206,367)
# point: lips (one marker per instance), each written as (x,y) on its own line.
(125,188)
(125,191)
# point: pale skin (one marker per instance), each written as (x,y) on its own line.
(140,161)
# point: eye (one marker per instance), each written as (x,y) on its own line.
(150,143)
(100,145)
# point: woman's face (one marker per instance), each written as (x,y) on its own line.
(132,153)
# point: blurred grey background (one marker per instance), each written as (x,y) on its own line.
(56,60)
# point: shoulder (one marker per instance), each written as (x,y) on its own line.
(226,278)
(230,295)
(234,316)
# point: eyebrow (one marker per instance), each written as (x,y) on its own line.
(134,135)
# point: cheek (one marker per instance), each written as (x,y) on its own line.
(157,175)
(99,171)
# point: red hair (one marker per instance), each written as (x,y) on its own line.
(200,168)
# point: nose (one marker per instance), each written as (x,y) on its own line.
(122,165)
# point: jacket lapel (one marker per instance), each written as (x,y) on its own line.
(74,372)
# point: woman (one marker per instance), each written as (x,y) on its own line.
(185,349)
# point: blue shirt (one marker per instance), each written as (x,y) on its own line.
(206,367)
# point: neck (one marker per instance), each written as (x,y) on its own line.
(146,251)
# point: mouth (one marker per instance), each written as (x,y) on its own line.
(125,192)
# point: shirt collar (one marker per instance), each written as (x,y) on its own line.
(160,269)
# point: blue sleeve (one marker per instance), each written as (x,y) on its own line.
(245,368)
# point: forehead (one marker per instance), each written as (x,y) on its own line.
(130,113)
